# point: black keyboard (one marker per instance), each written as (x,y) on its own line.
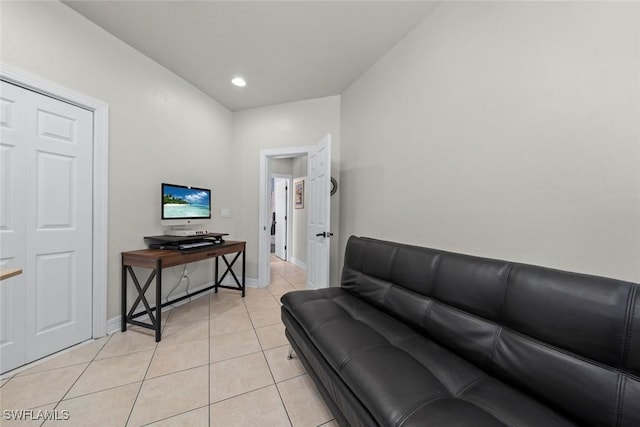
(194,245)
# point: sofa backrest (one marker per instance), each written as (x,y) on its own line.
(570,340)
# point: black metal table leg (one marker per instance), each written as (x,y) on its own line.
(216,276)
(123,306)
(158,324)
(244,263)
(141,298)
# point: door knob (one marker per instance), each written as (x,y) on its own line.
(324,234)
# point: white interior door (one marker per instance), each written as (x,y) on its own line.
(280,191)
(47,148)
(12,230)
(318,215)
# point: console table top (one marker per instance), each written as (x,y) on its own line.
(169,258)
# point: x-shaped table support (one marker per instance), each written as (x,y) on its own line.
(229,269)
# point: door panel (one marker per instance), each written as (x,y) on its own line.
(55,287)
(318,215)
(55,191)
(56,126)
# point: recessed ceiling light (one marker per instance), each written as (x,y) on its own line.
(239,81)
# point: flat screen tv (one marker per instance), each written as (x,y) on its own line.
(183,205)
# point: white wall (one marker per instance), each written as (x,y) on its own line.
(162,129)
(507,130)
(280,126)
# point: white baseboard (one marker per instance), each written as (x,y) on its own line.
(297,262)
(114,324)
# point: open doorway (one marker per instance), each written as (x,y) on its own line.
(285,249)
(312,194)
(288,231)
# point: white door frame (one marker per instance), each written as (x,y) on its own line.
(100,178)
(264,222)
(289,179)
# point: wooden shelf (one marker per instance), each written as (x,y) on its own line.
(5,274)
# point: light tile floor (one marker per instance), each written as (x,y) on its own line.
(222,361)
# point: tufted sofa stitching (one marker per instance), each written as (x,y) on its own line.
(494,414)
(469,386)
(564,351)
(321,325)
(503,418)
(620,399)
(503,295)
(628,332)
(494,345)
(626,340)
(500,319)
(427,311)
(436,373)
(394,250)
(478,404)
(419,406)
(464,313)
(360,351)
(436,271)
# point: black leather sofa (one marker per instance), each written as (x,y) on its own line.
(421,337)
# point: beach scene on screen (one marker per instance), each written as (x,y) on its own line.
(180,202)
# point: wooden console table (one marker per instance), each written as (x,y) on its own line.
(157,259)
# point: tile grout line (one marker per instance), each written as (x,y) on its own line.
(208,320)
(53,369)
(173,416)
(144,377)
(286,411)
(194,367)
(19,371)
(209,366)
(79,376)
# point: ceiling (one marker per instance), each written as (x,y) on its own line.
(285,50)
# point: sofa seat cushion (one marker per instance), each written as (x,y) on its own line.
(402,377)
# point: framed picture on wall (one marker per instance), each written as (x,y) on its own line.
(299,194)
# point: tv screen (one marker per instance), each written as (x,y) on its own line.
(182,202)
